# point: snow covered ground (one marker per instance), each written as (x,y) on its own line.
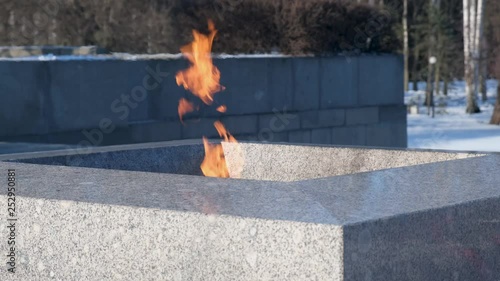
(452,128)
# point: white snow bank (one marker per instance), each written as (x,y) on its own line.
(452,128)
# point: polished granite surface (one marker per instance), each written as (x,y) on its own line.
(335,200)
(381,221)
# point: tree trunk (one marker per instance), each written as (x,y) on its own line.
(406,48)
(437,78)
(483,69)
(478,36)
(483,74)
(445,85)
(469,16)
(495,119)
(432,55)
(414,71)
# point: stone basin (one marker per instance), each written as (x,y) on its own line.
(295,212)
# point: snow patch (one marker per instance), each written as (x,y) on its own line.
(452,128)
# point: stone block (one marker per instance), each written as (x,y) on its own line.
(387,134)
(392,113)
(61,98)
(246,83)
(306,162)
(281,83)
(322,118)
(278,137)
(156,131)
(198,128)
(321,136)
(165,104)
(339,82)
(362,115)
(306,84)
(331,213)
(279,121)
(241,124)
(23,110)
(265,136)
(107,91)
(351,135)
(302,136)
(381,80)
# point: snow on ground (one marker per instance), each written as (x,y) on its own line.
(452,128)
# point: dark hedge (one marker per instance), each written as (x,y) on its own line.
(245,26)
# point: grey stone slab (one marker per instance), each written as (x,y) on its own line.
(178,245)
(392,113)
(387,134)
(321,136)
(421,222)
(59,99)
(264,162)
(350,135)
(339,82)
(279,121)
(301,136)
(105,91)
(265,136)
(362,116)
(281,83)
(241,124)
(132,133)
(322,118)
(380,80)
(306,84)
(165,104)
(246,86)
(456,242)
(198,128)
(427,243)
(24,86)
(156,131)
(278,137)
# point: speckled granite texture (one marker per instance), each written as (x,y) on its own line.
(284,162)
(435,221)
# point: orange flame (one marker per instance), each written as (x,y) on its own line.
(185,106)
(202,79)
(214,164)
(222,108)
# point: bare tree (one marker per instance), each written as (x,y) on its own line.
(469,22)
(478,38)
(433,15)
(406,50)
(483,69)
(495,118)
